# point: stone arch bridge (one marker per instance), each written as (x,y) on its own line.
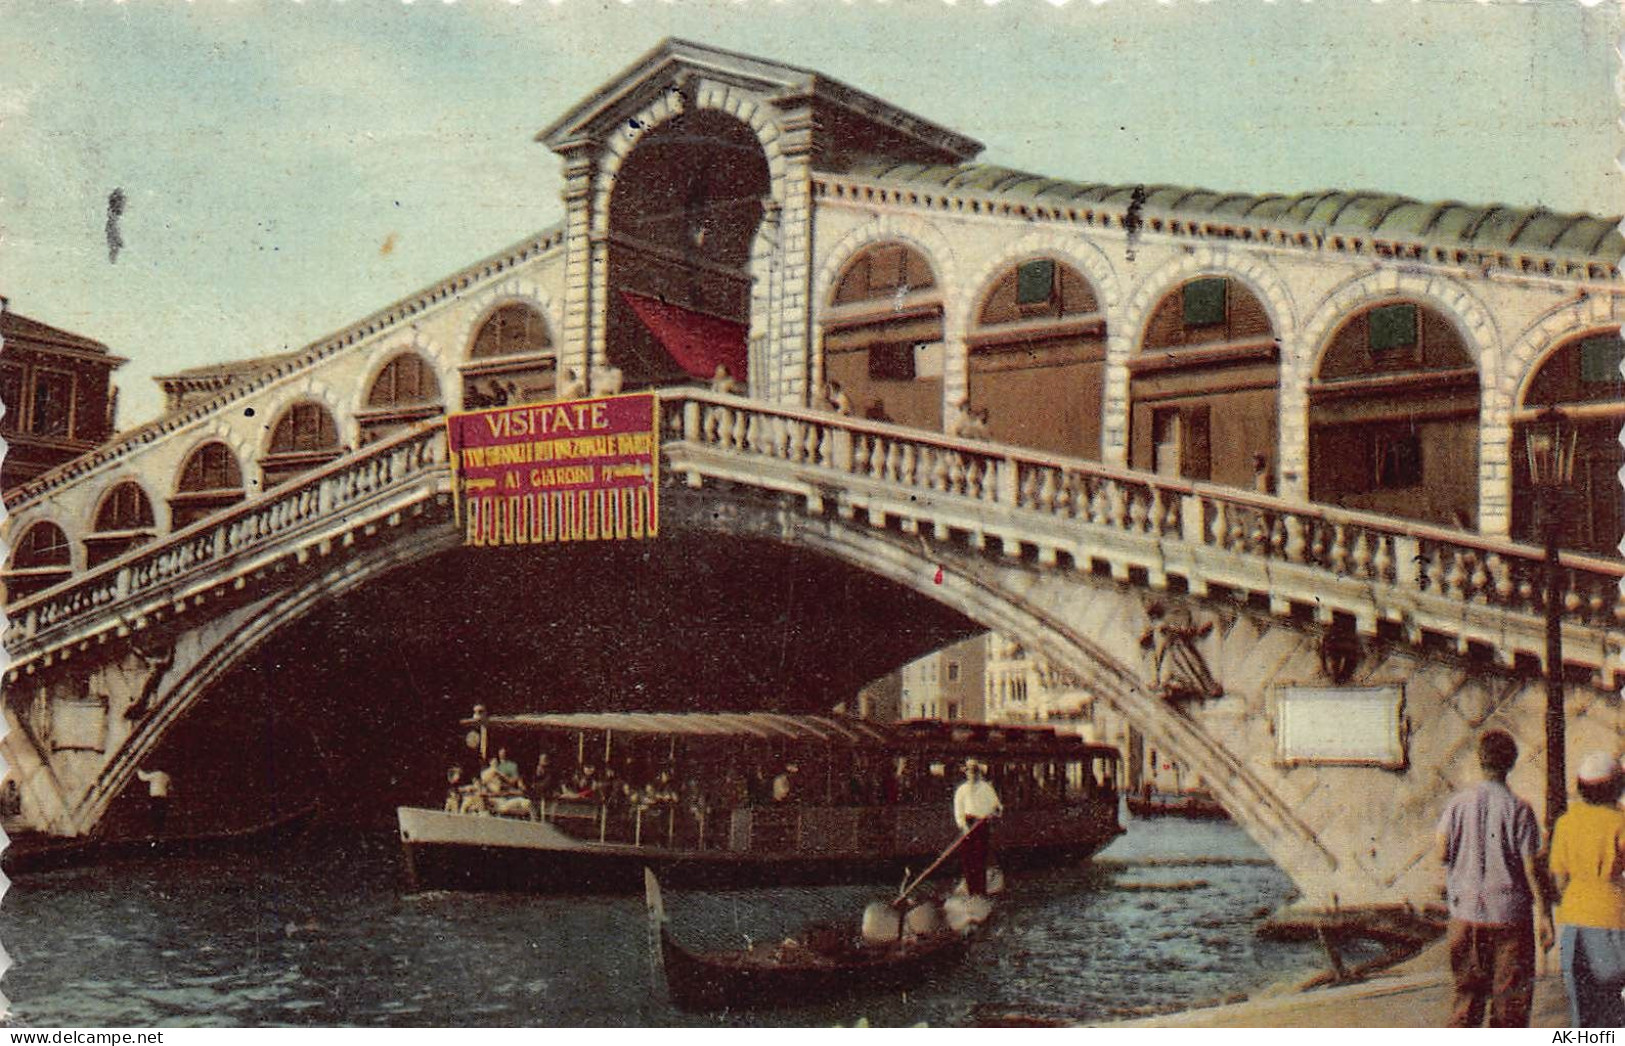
(1102,570)
(1152,357)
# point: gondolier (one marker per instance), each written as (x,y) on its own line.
(975,803)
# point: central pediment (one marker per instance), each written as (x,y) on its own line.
(844,120)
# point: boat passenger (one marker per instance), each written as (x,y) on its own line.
(543,781)
(504,792)
(509,771)
(784,784)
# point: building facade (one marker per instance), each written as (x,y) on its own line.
(948,685)
(58,395)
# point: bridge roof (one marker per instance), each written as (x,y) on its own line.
(604,111)
(1377,216)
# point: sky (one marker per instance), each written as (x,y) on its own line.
(289,167)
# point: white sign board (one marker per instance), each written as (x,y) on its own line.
(1356,725)
(79,726)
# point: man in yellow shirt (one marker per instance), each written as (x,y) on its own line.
(1588,857)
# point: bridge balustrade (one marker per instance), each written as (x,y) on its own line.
(1372,567)
(1135,525)
(233,542)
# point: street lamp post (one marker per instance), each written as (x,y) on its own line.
(1550,441)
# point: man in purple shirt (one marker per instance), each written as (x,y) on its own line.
(1488,839)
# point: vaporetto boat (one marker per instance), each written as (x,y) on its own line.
(585,802)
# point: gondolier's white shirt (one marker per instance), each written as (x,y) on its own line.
(975,799)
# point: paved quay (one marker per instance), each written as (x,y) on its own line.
(1415,994)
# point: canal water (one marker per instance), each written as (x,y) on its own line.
(321,933)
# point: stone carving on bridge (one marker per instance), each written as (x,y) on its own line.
(1340,652)
(1179,672)
(157,666)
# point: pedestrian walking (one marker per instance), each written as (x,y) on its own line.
(1588,857)
(1488,841)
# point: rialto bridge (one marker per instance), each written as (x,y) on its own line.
(1248,467)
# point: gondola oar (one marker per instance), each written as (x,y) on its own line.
(923,876)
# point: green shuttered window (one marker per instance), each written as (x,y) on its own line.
(1205,301)
(1035,282)
(1392,327)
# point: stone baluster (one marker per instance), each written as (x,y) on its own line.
(1339,554)
(1500,576)
(1296,542)
(1138,513)
(1219,525)
(841,451)
(973,479)
(1360,559)
(1118,502)
(877,457)
(1456,576)
(906,465)
(1099,503)
(1066,498)
(1047,491)
(1027,488)
(1318,546)
(1382,564)
(1258,534)
(737,438)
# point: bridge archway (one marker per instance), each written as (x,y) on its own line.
(1580,376)
(1393,415)
(883,577)
(1036,356)
(683,213)
(1202,388)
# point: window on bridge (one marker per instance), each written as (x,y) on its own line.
(1393,417)
(406,391)
(1202,388)
(883,337)
(40,559)
(511,360)
(305,438)
(124,520)
(210,481)
(1582,377)
(1037,356)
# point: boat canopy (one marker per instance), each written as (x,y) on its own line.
(758,725)
(955,738)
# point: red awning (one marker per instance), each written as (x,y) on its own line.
(696,341)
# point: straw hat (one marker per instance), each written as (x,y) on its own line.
(1598,767)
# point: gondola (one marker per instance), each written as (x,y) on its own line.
(822,963)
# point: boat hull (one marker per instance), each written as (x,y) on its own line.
(475,852)
(700,983)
